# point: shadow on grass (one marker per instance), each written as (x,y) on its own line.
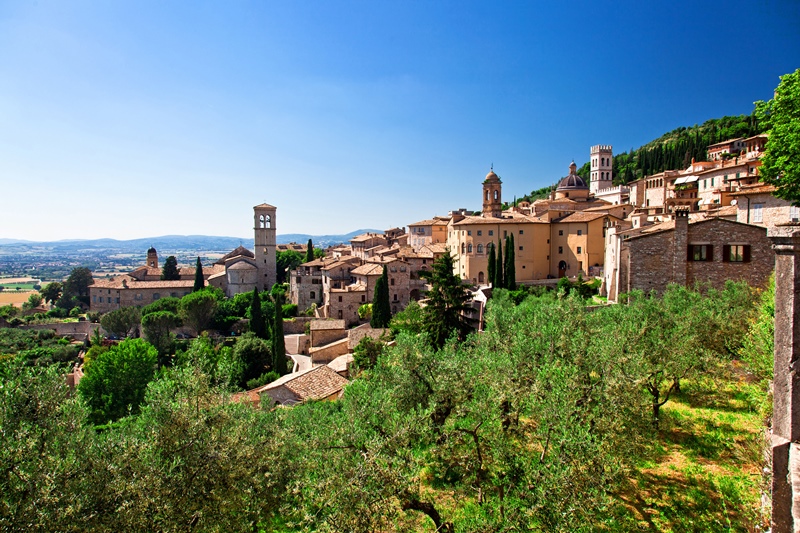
(682,502)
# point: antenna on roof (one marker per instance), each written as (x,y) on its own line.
(491,167)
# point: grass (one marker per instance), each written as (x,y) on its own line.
(704,473)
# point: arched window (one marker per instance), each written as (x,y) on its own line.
(267,221)
(496,195)
(487,196)
(480,248)
(469,248)
(480,277)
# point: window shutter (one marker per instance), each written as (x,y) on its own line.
(710,254)
(689,254)
(746,253)
(726,253)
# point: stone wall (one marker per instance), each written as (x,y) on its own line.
(354,336)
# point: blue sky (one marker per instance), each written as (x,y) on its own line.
(137,119)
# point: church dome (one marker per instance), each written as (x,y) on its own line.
(491,177)
(572,181)
(151,250)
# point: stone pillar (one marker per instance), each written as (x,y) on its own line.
(680,250)
(786,382)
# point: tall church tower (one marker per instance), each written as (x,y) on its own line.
(601,158)
(264,252)
(152,258)
(492,195)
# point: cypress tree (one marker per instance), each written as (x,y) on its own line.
(199,282)
(510,274)
(498,266)
(278,342)
(257,324)
(309,252)
(491,265)
(381,310)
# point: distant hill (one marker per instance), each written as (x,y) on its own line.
(174,243)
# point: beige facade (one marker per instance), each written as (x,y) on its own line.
(757,205)
(427,232)
(578,244)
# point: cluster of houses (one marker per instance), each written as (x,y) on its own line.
(705,223)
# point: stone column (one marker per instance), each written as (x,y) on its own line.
(786,417)
(680,244)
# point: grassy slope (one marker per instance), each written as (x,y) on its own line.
(705,471)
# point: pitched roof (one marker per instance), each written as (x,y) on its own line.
(239,250)
(758,188)
(314,384)
(128,282)
(581,216)
(368,269)
(430,222)
(265,205)
(512,218)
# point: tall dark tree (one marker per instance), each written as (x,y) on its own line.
(51,292)
(491,266)
(309,251)
(447,302)
(77,286)
(510,270)
(498,267)
(278,342)
(170,271)
(285,262)
(199,282)
(381,310)
(257,324)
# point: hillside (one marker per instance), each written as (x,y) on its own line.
(672,150)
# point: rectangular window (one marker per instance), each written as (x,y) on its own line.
(520,232)
(491,232)
(579,250)
(712,182)
(363,298)
(340,298)
(391,281)
(560,232)
(580,232)
(520,247)
(480,233)
(700,252)
(736,253)
(469,232)
(758,212)
(560,249)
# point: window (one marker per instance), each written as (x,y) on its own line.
(469,248)
(579,250)
(363,298)
(560,249)
(580,232)
(340,298)
(298,280)
(312,295)
(794,213)
(94,299)
(758,212)
(395,297)
(712,182)
(520,247)
(700,252)
(736,253)
(469,232)
(560,232)
(480,248)
(520,232)
(491,232)
(480,233)
(391,281)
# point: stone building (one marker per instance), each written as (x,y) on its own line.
(428,232)
(601,163)
(756,204)
(238,271)
(707,250)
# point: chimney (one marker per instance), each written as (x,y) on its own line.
(680,250)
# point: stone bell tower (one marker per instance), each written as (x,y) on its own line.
(264,251)
(492,195)
(152,258)
(602,164)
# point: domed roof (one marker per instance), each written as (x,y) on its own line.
(572,181)
(492,177)
(151,250)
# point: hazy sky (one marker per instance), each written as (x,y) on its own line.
(137,119)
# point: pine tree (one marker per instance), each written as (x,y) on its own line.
(199,282)
(309,252)
(278,342)
(257,324)
(381,310)
(498,267)
(447,302)
(491,266)
(170,271)
(510,270)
